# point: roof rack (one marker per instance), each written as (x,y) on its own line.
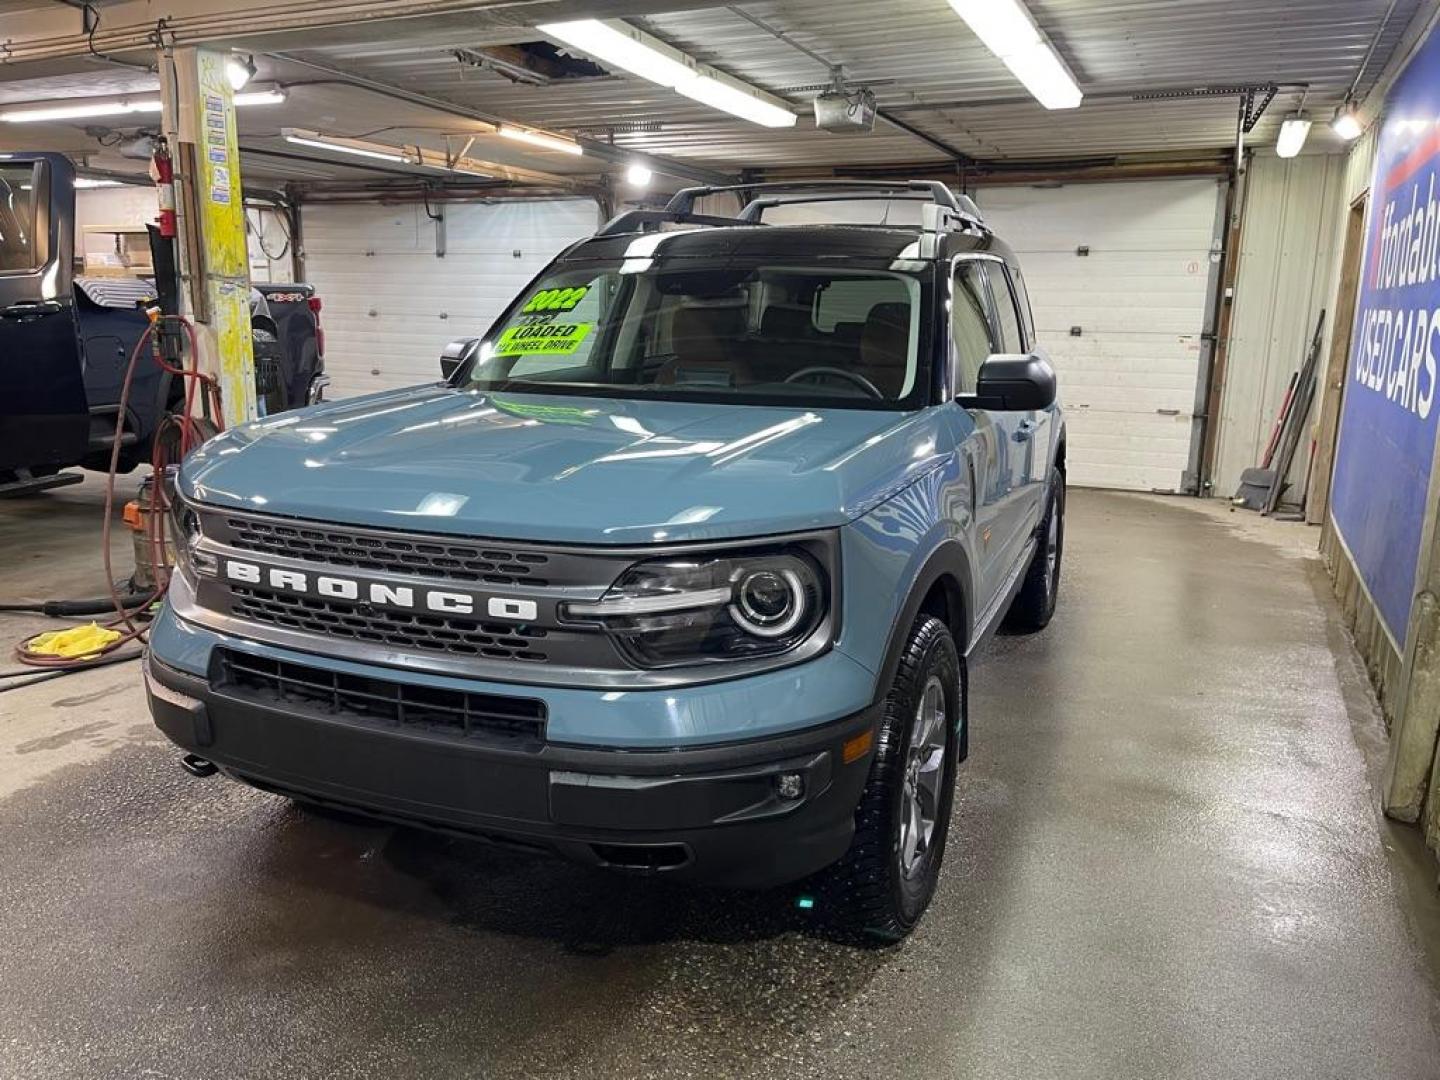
(953,211)
(638,221)
(945,211)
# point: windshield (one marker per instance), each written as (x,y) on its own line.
(768,334)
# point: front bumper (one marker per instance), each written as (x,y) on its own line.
(712,813)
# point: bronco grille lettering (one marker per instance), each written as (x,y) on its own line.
(440,601)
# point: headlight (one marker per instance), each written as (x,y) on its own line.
(696,610)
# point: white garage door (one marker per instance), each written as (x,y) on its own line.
(1123,322)
(391,304)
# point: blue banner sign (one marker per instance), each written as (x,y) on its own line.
(1387,424)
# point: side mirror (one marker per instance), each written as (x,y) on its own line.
(454,355)
(1014,382)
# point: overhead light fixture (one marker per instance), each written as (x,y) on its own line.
(84,182)
(620,45)
(416,156)
(239,70)
(85,110)
(344,146)
(1293,133)
(261,97)
(1007,29)
(637,175)
(732,99)
(82,110)
(1346,123)
(540,139)
(623,47)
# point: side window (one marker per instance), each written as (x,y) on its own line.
(1009,316)
(972,337)
(17,218)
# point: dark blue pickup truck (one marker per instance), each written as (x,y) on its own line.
(66,341)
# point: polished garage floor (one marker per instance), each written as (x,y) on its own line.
(1166,862)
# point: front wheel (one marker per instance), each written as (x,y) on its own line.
(1034,604)
(885,881)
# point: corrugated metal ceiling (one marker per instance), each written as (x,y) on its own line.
(929,70)
(923,63)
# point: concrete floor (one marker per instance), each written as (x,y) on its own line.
(1166,861)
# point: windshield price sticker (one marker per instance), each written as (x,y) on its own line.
(549,338)
(555,300)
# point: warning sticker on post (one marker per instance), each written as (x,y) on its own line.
(554,339)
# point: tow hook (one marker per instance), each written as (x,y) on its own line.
(196,765)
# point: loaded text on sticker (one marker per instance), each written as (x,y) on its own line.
(542,338)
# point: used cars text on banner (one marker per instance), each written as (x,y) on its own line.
(1387,426)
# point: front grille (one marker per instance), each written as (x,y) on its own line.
(436,557)
(407,630)
(320,691)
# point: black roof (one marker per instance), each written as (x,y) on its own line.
(806,241)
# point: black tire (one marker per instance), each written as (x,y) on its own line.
(870,891)
(1034,604)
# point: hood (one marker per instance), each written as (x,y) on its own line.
(565,469)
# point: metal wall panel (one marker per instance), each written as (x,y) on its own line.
(391,304)
(1288,255)
(1138,298)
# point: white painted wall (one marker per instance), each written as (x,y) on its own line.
(1289,257)
(391,303)
(1128,382)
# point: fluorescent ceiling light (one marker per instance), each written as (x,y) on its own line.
(1006,29)
(1293,133)
(637,175)
(261,97)
(82,110)
(620,45)
(83,182)
(239,70)
(731,99)
(1347,122)
(416,156)
(539,138)
(344,146)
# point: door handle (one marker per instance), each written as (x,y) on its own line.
(29,309)
(1025,429)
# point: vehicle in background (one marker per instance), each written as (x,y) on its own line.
(678,572)
(294,319)
(66,341)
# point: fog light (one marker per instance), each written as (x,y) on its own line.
(790,785)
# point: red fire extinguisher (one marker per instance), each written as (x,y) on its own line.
(162,168)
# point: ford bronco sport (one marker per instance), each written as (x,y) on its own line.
(677,571)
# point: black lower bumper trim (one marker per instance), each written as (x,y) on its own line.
(751,814)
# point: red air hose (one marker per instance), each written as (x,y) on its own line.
(191,434)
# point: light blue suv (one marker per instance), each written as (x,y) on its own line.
(678,570)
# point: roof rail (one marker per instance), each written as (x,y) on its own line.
(951,206)
(636,221)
